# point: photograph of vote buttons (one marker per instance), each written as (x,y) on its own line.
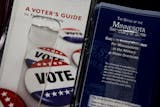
(76,56)
(38,54)
(10,99)
(52,78)
(72,35)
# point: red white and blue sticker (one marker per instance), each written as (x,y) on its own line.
(76,56)
(52,78)
(39,54)
(72,35)
(10,99)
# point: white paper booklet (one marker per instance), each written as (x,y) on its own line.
(42,52)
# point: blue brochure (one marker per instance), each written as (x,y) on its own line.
(124,60)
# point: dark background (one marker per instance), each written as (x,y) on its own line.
(5,11)
(5,8)
(141,4)
(6,5)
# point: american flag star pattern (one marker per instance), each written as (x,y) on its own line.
(53,51)
(56,97)
(48,63)
(10,99)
